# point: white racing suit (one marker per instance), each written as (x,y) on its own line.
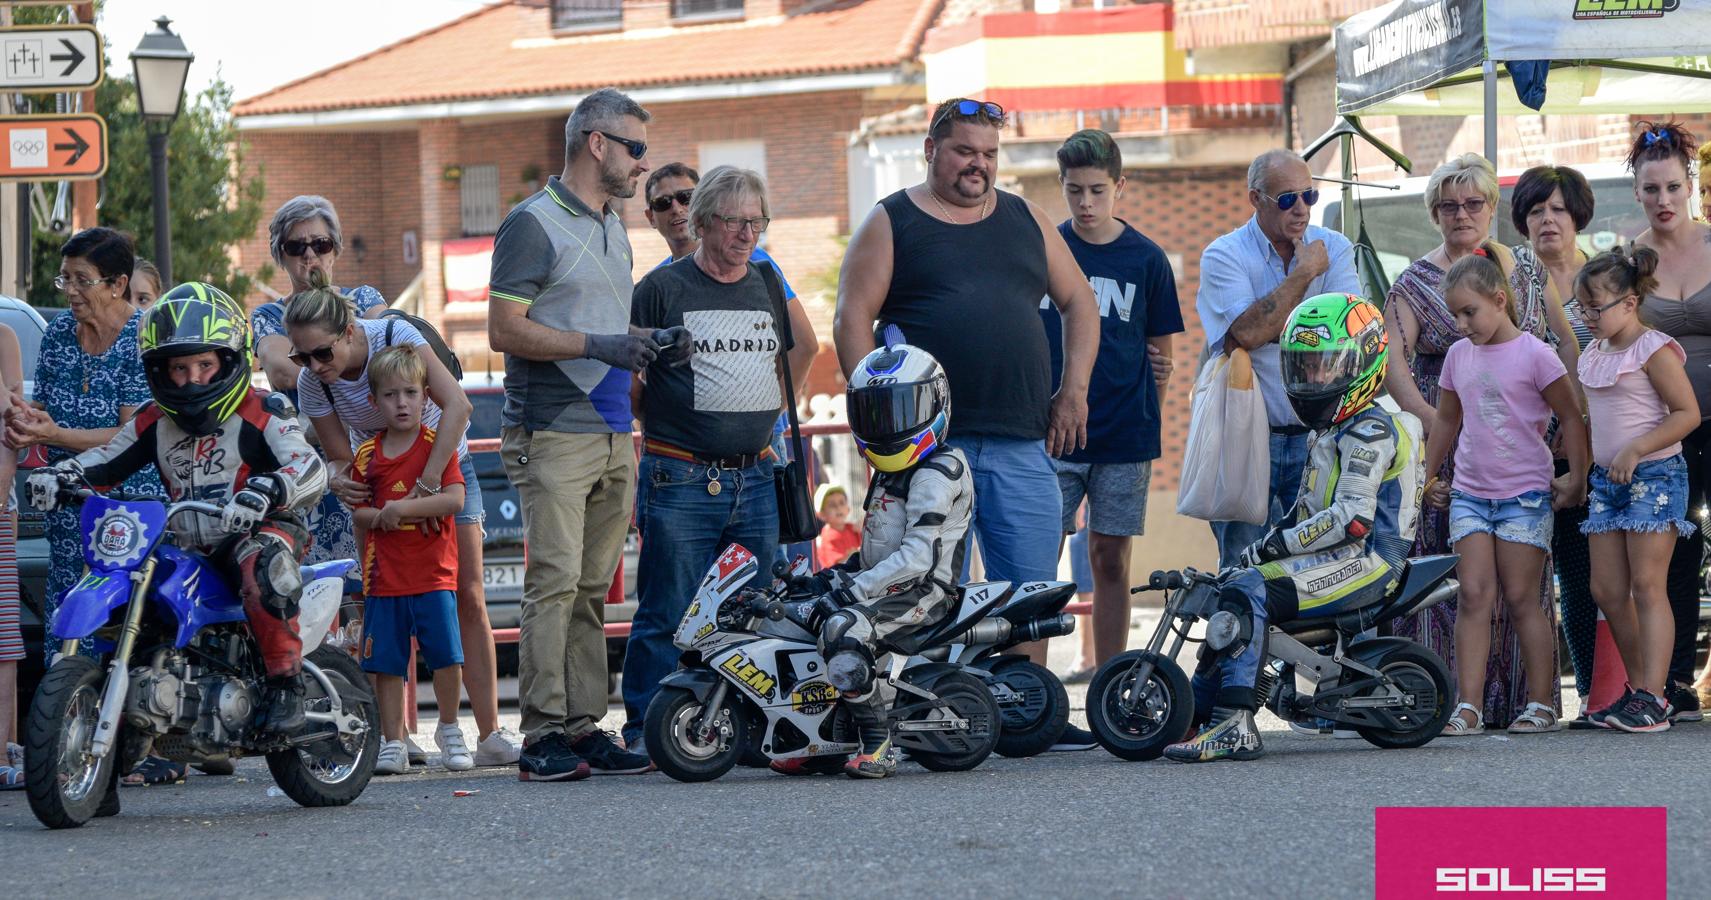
(1341,547)
(911,555)
(260,447)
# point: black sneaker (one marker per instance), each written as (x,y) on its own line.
(1600,718)
(1074,739)
(549,758)
(1643,713)
(605,757)
(1684,700)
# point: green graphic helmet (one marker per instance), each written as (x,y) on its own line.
(1334,352)
(190,319)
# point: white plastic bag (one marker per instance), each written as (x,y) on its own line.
(1226,469)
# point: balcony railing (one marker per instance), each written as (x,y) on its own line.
(584,14)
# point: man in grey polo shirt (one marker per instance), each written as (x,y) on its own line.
(559,309)
(1251,279)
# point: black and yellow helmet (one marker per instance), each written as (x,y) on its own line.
(189,319)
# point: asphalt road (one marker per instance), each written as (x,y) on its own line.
(1297,823)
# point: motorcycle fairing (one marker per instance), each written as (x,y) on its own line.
(728,574)
(118,534)
(193,594)
(89,604)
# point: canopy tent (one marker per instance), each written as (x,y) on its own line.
(1442,57)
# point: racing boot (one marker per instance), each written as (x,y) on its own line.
(1230,735)
(282,713)
(878,756)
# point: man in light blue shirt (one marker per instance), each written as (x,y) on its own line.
(1251,279)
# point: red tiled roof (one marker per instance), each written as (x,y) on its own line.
(507,50)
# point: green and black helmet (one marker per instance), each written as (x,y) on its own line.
(189,319)
(1334,352)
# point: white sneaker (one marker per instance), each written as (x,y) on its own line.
(454,753)
(394,759)
(418,756)
(500,748)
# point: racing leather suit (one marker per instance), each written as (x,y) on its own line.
(911,554)
(259,447)
(1341,547)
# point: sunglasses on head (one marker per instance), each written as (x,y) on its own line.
(321,245)
(638,149)
(322,355)
(969,108)
(663,201)
(1286,201)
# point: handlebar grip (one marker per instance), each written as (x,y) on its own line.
(767,608)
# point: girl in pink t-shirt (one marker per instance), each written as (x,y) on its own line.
(1641,405)
(1499,389)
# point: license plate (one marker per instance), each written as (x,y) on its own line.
(502,575)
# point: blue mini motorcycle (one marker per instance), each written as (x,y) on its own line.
(177,674)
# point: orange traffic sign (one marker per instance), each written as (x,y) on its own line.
(52,148)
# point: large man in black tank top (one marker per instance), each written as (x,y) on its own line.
(959,267)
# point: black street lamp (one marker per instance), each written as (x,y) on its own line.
(161,64)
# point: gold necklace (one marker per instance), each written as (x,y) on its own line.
(947,213)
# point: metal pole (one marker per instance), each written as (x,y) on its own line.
(1491,111)
(162,218)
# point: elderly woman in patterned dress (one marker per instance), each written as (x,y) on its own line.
(1461,198)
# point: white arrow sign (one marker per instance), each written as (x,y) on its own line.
(55,58)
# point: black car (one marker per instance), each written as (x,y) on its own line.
(503,550)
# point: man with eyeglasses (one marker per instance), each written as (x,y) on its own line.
(559,310)
(1251,279)
(957,267)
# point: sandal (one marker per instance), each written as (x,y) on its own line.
(1458,727)
(1539,722)
(154,770)
(11,778)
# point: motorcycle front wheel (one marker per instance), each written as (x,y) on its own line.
(1161,708)
(65,783)
(333,772)
(673,727)
(1035,718)
(971,699)
(1419,671)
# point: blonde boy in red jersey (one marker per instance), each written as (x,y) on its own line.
(409,561)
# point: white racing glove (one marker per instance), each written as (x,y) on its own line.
(243,511)
(43,489)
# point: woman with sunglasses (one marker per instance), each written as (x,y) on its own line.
(306,240)
(333,348)
(1679,305)
(1461,198)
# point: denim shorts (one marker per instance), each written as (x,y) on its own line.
(1655,499)
(1116,495)
(1526,519)
(473,511)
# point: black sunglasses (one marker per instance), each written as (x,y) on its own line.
(1287,199)
(663,201)
(638,149)
(322,355)
(971,107)
(321,245)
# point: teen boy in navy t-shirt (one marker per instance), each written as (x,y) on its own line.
(1138,312)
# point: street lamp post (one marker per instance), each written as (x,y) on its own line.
(161,63)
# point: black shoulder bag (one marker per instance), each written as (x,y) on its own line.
(796,522)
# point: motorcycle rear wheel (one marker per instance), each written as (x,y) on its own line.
(66,787)
(971,699)
(1034,724)
(677,751)
(332,779)
(1415,669)
(1161,717)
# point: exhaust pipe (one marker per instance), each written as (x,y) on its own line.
(1003,631)
(1445,590)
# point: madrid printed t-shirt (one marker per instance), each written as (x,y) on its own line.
(411,560)
(724,402)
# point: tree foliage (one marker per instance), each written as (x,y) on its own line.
(212,208)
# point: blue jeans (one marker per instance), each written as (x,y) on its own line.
(683,528)
(1288,459)
(1018,508)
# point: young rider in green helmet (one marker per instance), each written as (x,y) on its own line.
(1344,544)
